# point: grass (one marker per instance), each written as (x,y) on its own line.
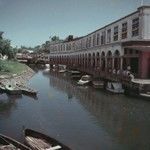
(11,67)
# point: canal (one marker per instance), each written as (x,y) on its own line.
(83,118)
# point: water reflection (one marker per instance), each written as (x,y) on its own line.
(7,103)
(125,119)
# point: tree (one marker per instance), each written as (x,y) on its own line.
(55,38)
(5,48)
(1,34)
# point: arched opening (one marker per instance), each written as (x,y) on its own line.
(89,59)
(93,60)
(97,60)
(103,61)
(109,61)
(85,64)
(117,60)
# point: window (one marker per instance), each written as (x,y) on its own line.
(124,30)
(103,38)
(94,37)
(135,27)
(116,33)
(97,42)
(109,36)
(89,41)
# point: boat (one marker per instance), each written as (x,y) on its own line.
(85,79)
(7,143)
(2,88)
(62,71)
(143,87)
(26,90)
(98,84)
(115,87)
(74,72)
(12,90)
(40,141)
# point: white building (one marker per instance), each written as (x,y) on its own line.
(125,42)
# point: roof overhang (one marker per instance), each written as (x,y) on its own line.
(137,45)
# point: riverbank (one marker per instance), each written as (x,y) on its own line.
(14,72)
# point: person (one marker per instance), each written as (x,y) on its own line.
(114,71)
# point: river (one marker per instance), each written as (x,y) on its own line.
(83,118)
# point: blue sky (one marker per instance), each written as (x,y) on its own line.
(32,22)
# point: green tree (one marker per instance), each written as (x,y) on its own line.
(5,48)
(55,38)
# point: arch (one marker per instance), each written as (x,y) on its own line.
(103,62)
(117,60)
(109,54)
(93,60)
(103,54)
(116,53)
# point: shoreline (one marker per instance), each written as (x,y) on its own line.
(21,78)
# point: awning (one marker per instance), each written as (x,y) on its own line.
(139,47)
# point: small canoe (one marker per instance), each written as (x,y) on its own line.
(7,143)
(39,141)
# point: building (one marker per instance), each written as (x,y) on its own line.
(117,46)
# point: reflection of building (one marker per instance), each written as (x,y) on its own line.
(125,42)
(122,118)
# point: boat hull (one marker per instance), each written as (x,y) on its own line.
(15,143)
(38,135)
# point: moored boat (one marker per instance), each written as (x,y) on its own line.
(115,87)
(98,84)
(26,90)
(85,79)
(40,141)
(143,87)
(62,70)
(13,90)
(7,143)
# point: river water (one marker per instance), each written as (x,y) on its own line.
(83,118)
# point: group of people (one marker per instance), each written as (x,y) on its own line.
(125,73)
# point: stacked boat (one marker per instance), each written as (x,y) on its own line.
(34,141)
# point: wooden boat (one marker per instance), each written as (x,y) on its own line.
(39,141)
(7,143)
(26,90)
(13,90)
(98,84)
(2,88)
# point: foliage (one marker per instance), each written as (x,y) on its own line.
(11,67)
(5,48)
(55,38)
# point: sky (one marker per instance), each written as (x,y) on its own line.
(32,22)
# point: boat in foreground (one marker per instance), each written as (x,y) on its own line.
(7,143)
(39,141)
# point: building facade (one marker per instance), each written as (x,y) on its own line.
(121,45)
